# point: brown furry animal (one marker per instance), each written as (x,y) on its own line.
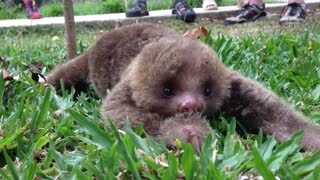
(157,77)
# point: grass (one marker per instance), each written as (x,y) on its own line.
(55,8)
(37,142)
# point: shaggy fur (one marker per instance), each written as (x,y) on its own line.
(139,61)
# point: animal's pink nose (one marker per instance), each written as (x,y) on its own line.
(190,107)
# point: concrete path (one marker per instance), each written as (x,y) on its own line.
(221,13)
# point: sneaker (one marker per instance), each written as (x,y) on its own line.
(33,14)
(32,10)
(139,9)
(183,11)
(293,12)
(247,13)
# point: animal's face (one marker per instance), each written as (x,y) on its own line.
(178,75)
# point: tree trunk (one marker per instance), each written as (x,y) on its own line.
(70,29)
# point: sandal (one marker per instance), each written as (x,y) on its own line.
(209,5)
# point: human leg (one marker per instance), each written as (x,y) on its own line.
(32,9)
(209,5)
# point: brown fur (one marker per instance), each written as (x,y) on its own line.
(256,107)
(185,128)
(104,66)
(138,61)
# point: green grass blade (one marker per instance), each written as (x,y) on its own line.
(95,171)
(157,147)
(216,173)
(314,175)
(230,141)
(281,153)
(151,163)
(262,166)
(41,142)
(287,173)
(315,93)
(8,140)
(44,108)
(43,132)
(29,79)
(206,153)
(59,159)
(101,137)
(77,174)
(173,166)
(138,141)
(188,161)
(1,88)
(4,174)
(267,147)
(29,174)
(234,161)
(10,165)
(125,151)
(307,165)
(44,105)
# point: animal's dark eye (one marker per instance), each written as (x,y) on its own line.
(208,91)
(168,89)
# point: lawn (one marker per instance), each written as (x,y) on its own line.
(48,136)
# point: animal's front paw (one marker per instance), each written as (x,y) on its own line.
(193,135)
(191,129)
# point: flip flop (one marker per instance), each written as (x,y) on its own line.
(209,5)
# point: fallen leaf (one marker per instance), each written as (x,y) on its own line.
(99,32)
(1,133)
(6,75)
(4,69)
(197,33)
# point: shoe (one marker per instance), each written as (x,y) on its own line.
(139,9)
(32,10)
(293,12)
(183,11)
(247,13)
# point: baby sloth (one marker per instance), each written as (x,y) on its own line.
(170,84)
